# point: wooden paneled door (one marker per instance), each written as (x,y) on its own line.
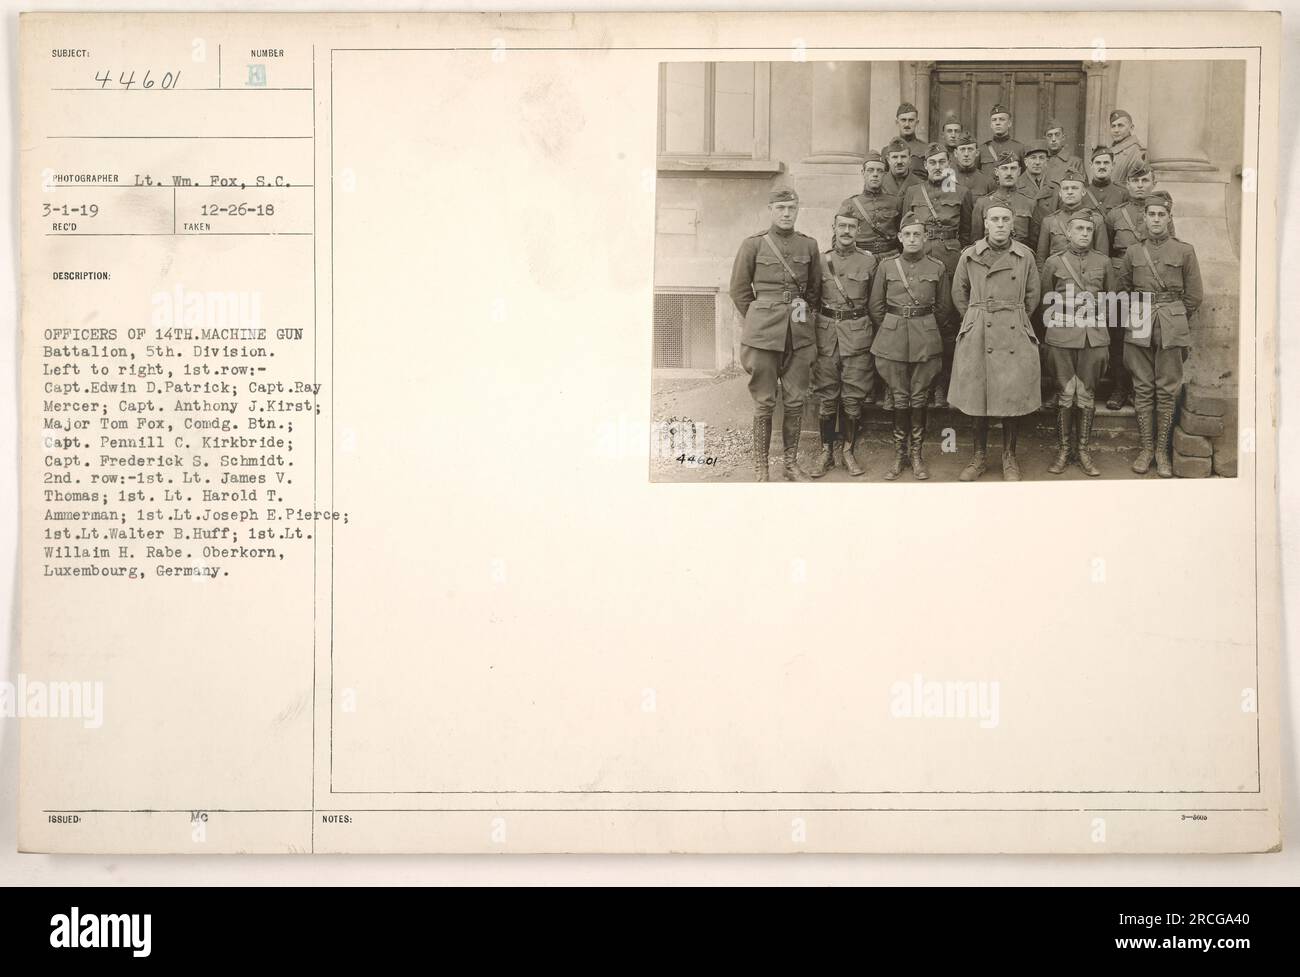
(1033,91)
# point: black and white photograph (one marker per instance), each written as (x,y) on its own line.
(948,270)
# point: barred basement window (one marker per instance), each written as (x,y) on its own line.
(685,324)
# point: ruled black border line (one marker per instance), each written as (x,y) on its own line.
(1258,49)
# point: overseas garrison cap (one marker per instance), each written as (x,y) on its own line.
(1051,124)
(1120,114)
(999,109)
(872,157)
(910,218)
(996,204)
(1160,198)
(781,194)
(950,120)
(1036,146)
(1082,215)
(1005,158)
(905,108)
(1072,175)
(1140,170)
(897,146)
(967,138)
(935,149)
(1101,151)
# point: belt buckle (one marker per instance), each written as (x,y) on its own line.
(785,296)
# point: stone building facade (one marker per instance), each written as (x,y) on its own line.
(729,132)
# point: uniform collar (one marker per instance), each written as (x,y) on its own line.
(987,254)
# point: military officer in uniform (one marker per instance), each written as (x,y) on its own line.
(952,132)
(1022,207)
(1076,281)
(995,371)
(1059,158)
(1126,226)
(900,175)
(843,373)
(776,284)
(1124,147)
(945,206)
(906,118)
(1054,234)
(1101,193)
(992,150)
(876,210)
(1035,185)
(910,297)
(965,162)
(1160,337)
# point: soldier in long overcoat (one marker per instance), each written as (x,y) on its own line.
(995,370)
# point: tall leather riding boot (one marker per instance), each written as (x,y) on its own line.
(940,394)
(837,448)
(1164,434)
(902,417)
(1063,416)
(1117,397)
(791,424)
(1010,467)
(919,471)
(1142,463)
(826,460)
(1086,416)
(851,439)
(762,438)
(979,461)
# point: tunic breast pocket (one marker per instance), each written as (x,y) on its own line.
(1171,274)
(768,270)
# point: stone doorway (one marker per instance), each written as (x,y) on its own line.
(1033,91)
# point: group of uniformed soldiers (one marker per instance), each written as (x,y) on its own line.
(939,272)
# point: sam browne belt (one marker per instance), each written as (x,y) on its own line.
(839,315)
(909,311)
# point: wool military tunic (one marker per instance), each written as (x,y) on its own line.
(1104,197)
(909,298)
(898,185)
(765,294)
(836,333)
(1128,154)
(1176,292)
(1127,225)
(1022,213)
(979,183)
(947,216)
(1082,323)
(1061,163)
(995,368)
(992,148)
(877,215)
(1053,237)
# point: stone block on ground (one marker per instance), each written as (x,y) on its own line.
(1204,425)
(1201,400)
(1191,445)
(1225,457)
(1187,466)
